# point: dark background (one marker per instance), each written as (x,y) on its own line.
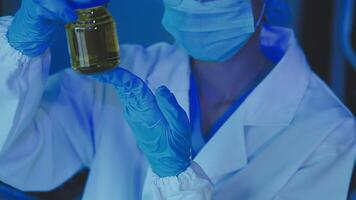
(314,25)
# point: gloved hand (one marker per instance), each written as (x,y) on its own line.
(160,126)
(35,22)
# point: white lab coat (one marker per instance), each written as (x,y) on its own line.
(290,139)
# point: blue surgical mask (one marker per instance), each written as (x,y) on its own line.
(212,30)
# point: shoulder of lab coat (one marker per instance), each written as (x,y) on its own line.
(327,170)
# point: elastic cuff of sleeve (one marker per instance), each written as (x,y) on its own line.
(191,179)
(5,23)
(174,184)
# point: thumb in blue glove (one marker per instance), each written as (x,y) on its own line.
(160,126)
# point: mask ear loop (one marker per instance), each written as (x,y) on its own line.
(260,18)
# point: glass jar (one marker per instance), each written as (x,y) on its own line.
(92,41)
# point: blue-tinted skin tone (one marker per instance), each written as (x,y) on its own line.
(195,114)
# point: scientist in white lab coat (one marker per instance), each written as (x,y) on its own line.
(261,124)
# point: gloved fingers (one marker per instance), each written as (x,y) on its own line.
(174,114)
(139,102)
(110,76)
(142,113)
(121,79)
(56,10)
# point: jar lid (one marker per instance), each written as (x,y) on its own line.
(93,3)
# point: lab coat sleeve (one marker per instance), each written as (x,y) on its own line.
(327,172)
(192,184)
(38,151)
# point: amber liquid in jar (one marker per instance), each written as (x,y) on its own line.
(92,41)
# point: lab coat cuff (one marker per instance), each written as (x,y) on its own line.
(193,179)
(6,48)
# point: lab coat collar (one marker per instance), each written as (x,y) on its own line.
(226,150)
(273,103)
(276,99)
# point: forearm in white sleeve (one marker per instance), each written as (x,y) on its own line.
(22,81)
(39,127)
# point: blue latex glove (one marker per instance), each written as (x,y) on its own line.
(35,23)
(160,126)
